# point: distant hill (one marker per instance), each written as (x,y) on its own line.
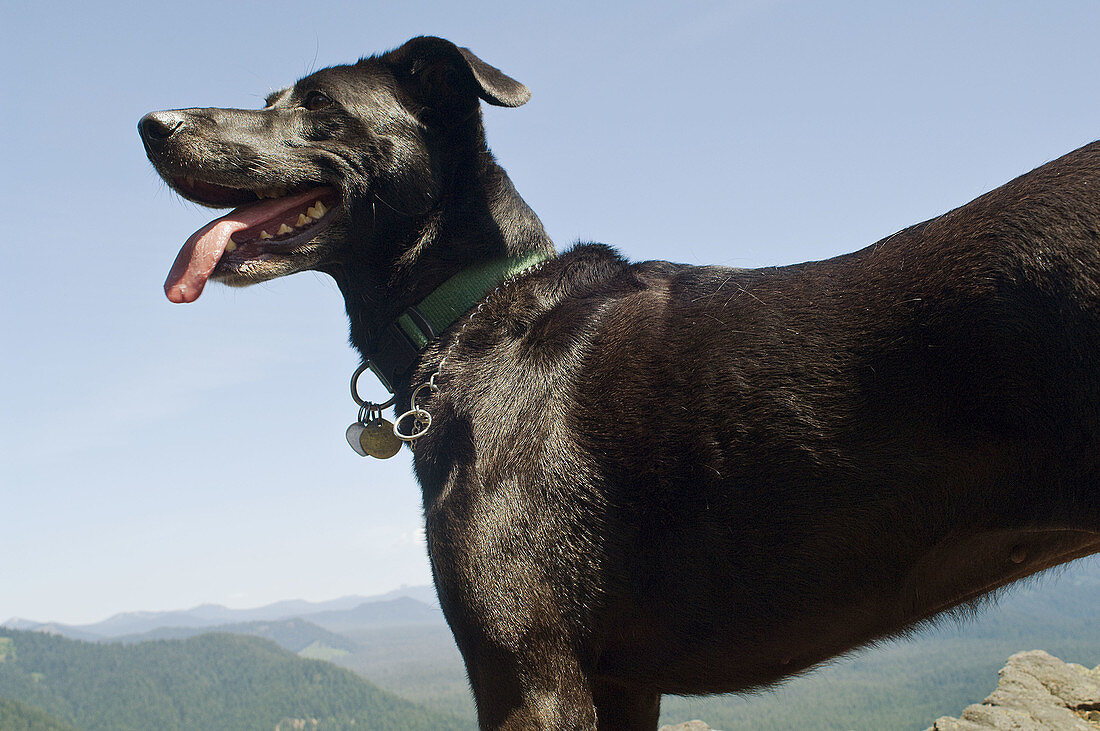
(212,681)
(50,628)
(391,613)
(292,634)
(420,662)
(212,615)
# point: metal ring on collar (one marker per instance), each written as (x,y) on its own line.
(422,422)
(355,390)
(430,385)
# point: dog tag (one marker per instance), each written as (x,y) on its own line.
(378,440)
(353,434)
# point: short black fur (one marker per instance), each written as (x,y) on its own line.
(650,478)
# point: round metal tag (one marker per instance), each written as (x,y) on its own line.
(377,439)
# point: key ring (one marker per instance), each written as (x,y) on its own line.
(355,391)
(422,420)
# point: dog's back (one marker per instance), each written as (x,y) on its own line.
(653,478)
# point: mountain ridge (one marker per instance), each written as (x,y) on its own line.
(209,615)
(294,634)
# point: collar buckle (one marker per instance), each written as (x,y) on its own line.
(397,351)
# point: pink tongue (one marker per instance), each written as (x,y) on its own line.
(198,257)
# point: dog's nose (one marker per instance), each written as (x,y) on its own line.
(156,127)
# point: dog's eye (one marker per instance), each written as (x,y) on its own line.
(316,100)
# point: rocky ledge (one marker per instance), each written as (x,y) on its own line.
(1037,692)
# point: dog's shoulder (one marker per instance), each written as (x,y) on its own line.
(599,270)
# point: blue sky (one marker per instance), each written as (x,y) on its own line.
(155,456)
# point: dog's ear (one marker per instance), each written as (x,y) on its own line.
(443,75)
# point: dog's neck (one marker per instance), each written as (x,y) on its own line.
(476,215)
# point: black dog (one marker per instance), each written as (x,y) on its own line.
(655,478)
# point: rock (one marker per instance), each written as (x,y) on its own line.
(1037,692)
(688,726)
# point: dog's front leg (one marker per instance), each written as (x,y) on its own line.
(517,689)
(540,685)
(519,630)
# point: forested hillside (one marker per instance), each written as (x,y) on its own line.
(213,681)
(16,716)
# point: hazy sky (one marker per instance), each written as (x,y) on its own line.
(156,456)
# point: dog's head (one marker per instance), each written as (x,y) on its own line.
(307,174)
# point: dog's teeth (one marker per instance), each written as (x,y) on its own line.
(314,212)
(231,246)
(321,210)
(284,229)
(302,220)
(265,235)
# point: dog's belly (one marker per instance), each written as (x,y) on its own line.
(712,642)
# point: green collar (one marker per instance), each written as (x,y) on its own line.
(404,339)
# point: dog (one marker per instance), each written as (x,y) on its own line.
(652,478)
